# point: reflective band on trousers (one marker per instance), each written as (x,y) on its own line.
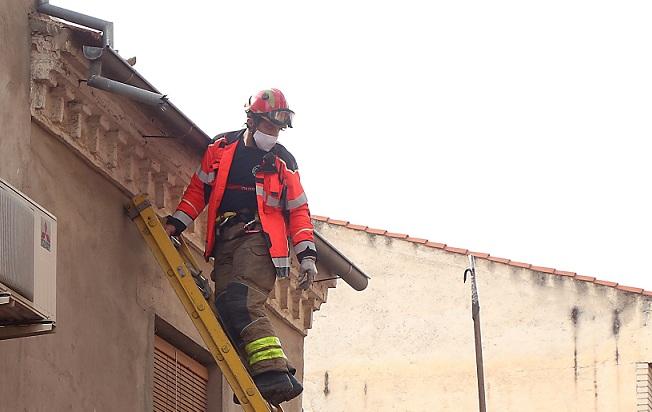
(205,177)
(262,343)
(276,353)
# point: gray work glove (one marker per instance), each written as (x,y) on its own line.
(307,272)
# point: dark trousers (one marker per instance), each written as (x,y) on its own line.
(244,275)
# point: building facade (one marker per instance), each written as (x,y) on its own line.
(553,340)
(122,340)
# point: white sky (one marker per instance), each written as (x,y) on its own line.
(515,128)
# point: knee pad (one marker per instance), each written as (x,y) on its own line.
(235,305)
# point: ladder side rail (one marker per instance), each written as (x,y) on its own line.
(176,268)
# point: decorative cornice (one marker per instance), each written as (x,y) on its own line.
(107,131)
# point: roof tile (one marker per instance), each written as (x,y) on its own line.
(480,255)
(542,269)
(629,289)
(564,273)
(436,245)
(498,259)
(456,250)
(606,283)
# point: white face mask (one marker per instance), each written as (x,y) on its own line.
(264,141)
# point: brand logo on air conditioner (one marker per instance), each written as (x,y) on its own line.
(45,234)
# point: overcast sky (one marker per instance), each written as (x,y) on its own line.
(515,128)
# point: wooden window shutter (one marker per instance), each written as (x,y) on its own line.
(179,381)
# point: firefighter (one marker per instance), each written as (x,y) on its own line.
(255,200)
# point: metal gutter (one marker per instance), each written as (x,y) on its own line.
(111,73)
(340,264)
(107,65)
(106,27)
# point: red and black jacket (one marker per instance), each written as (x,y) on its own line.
(282,203)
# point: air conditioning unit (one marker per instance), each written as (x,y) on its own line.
(28,265)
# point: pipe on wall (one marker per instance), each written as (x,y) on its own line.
(339,264)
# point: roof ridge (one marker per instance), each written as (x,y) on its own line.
(482,255)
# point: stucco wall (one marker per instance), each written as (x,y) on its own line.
(15,41)
(551,343)
(108,290)
(109,287)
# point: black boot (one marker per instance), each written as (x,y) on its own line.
(296,390)
(273,386)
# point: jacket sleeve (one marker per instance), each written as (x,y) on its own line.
(196,196)
(300,226)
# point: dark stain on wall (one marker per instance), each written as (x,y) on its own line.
(595,385)
(615,326)
(575,315)
(326,390)
(575,318)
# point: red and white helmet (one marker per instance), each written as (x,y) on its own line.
(271,105)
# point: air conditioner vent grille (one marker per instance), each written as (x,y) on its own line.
(16,244)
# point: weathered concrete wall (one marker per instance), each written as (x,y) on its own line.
(98,357)
(15,43)
(551,343)
(109,287)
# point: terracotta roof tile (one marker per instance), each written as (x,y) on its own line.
(542,269)
(629,289)
(437,245)
(479,255)
(456,250)
(338,222)
(606,283)
(498,259)
(564,273)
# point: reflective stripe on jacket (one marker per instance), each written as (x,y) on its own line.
(282,203)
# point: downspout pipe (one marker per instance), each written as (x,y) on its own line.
(339,264)
(95,79)
(106,27)
(127,90)
(184,126)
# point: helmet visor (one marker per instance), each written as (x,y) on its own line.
(282,117)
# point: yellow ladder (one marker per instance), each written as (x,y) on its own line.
(179,266)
